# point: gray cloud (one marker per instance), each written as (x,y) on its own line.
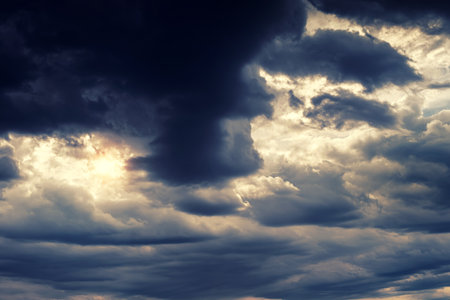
(207,207)
(443,85)
(67,214)
(321,200)
(372,62)
(364,214)
(168,66)
(339,110)
(411,173)
(294,101)
(431,16)
(8,169)
(318,264)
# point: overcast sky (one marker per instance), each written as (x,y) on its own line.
(225,150)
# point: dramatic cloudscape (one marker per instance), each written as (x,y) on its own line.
(246,150)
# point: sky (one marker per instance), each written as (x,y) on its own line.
(246,150)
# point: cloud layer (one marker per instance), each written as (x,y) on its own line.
(224,150)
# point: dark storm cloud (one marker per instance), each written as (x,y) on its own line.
(338,110)
(185,60)
(185,75)
(20,114)
(227,268)
(195,153)
(432,16)
(341,56)
(17,66)
(334,266)
(37,92)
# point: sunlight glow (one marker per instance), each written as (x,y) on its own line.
(93,162)
(108,166)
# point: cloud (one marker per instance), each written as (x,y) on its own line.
(17,65)
(317,263)
(64,213)
(388,175)
(443,85)
(38,91)
(227,145)
(206,207)
(320,199)
(185,65)
(345,107)
(207,202)
(432,16)
(18,289)
(294,101)
(286,211)
(8,169)
(209,270)
(363,59)
(262,163)
(404,178)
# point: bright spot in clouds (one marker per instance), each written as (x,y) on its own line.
(94,161)
(108,166)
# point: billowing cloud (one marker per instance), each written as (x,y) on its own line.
(185,65)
